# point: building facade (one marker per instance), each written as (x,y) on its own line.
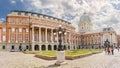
(25,30)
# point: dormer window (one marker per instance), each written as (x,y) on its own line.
(19,13)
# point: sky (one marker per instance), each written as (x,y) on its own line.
(103,13)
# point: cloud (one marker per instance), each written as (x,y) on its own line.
(102,12)
(12,1)
(21,0)
(2,20)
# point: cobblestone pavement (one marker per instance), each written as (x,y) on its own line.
(20,60)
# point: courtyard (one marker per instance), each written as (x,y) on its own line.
(21,60)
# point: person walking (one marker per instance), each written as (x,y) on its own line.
(118,49)
(108,50)
(112,50)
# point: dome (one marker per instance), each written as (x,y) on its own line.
(85,18)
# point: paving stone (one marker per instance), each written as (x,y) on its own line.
(20,60)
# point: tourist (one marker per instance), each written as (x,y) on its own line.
(112,50)
(118,49)
(108,51)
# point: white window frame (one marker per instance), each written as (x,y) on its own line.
(13,29)
(27,30)
(4,29)
(27,21)
(4,38)
(27,38)
(20,38)
(20,30)
(12,38)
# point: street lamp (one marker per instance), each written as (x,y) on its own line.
(60,50)
(107,44)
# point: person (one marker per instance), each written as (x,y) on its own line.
(112,50)
(118,49)
(108,51)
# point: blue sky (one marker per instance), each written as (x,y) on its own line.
(103,13)
(6,6)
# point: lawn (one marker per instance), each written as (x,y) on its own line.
(67,52)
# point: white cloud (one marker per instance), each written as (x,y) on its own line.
(13,1)
(102,12)
(21,0)
(2,20)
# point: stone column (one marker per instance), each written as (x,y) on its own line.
(57,37)
(66,39)
(101,40)
(39,47)
(46,35)
(39,34)
(46,47)
(52,35)
(32,38)
(70,40)
(16,35)
(9,36)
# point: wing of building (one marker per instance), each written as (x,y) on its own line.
(28,30)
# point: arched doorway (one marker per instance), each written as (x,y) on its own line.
(55,47)
(68,47)
(20,48)
(43,47)
(49,47)
(64,47)
(36,47)
(74,47)
(27,47)
(12,47)
(79,46)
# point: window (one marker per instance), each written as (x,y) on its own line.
(20,29)
(27,38)
(19,13)
(3,47)
(4,38)
(4,29)
(12,20)
(12,38)
(13,29)
(20,21)
(27,30)
(27,21)
(20,38)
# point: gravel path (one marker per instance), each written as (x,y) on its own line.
(20,60)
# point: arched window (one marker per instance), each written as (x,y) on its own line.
(3,47)
(13,47)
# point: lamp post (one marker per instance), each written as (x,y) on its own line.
(107,44)
(60,49)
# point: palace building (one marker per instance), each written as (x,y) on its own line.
(25,30)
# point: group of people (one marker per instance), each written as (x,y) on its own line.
(110,50)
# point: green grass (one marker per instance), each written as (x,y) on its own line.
(67,53)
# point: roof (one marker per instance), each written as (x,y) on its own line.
(40,14)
